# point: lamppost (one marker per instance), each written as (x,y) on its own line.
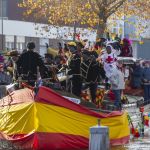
(74,31)
(2,24)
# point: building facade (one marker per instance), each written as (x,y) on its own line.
(16,31)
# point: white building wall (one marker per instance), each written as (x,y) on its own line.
(28,29)
(44,32)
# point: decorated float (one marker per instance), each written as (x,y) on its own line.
(47,120)
(43,119)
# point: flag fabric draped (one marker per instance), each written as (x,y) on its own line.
(50,121)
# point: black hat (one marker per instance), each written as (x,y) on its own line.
(31,45)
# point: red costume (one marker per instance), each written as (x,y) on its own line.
(126,48)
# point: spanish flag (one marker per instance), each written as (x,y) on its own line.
(49,121)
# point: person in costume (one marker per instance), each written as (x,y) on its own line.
(109,60)
(74,68)
(91,71)
(126,48)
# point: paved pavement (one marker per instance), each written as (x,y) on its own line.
(137,143)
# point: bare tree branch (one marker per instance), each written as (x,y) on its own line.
(110,2)
(99,3)
(93,8)
(113,8)
(115,3)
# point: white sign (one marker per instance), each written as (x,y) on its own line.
(74,100)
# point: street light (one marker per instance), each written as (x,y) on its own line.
(74,31)
(2,23)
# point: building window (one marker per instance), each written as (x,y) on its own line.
(9,45)
(9,42)
(20,43)
(20,46)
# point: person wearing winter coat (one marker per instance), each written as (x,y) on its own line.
(117,85)
(137,75)
(146,83)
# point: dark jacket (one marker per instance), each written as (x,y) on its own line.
(137,77)
(74,65)
(28,62)
(94,71)
(5,79)
(146,75)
